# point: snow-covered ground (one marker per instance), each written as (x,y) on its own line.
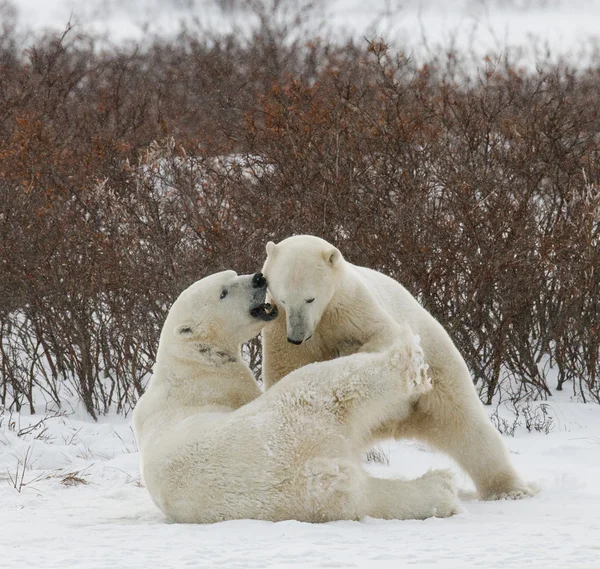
(565,26)
(82,505)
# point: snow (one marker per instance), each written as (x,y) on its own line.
(111,521)
(566,26)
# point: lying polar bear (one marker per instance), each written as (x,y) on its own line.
(214,448)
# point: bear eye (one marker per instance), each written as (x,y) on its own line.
(310,300)
(224,293)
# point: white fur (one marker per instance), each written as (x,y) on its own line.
(213,448)
(358,309)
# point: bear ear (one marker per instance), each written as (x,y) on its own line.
(271,248)
(185,330)
(332,256)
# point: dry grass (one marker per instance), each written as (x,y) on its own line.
(73,479)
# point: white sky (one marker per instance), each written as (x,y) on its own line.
(566,26)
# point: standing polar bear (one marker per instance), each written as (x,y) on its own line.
(214,448)
(333,308)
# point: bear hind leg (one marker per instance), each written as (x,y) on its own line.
(461,428)
(431,495)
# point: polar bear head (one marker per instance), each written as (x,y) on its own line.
(215,315)
(303,273)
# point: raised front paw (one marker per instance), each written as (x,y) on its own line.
(409,359)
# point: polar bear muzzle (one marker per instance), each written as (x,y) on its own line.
(263,310)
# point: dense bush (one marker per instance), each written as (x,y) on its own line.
(126,175)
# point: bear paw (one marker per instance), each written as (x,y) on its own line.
(439,488)
(519,491)
(409,360)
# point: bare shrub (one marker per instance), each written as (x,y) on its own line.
(125,175)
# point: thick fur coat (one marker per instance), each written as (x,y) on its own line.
(214,448)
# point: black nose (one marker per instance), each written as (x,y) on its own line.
(295,342)
(258,281)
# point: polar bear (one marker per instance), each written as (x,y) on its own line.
(213,448)
(333,308)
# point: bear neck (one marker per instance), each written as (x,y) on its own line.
(352,312)
(211,377)
(199,353)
